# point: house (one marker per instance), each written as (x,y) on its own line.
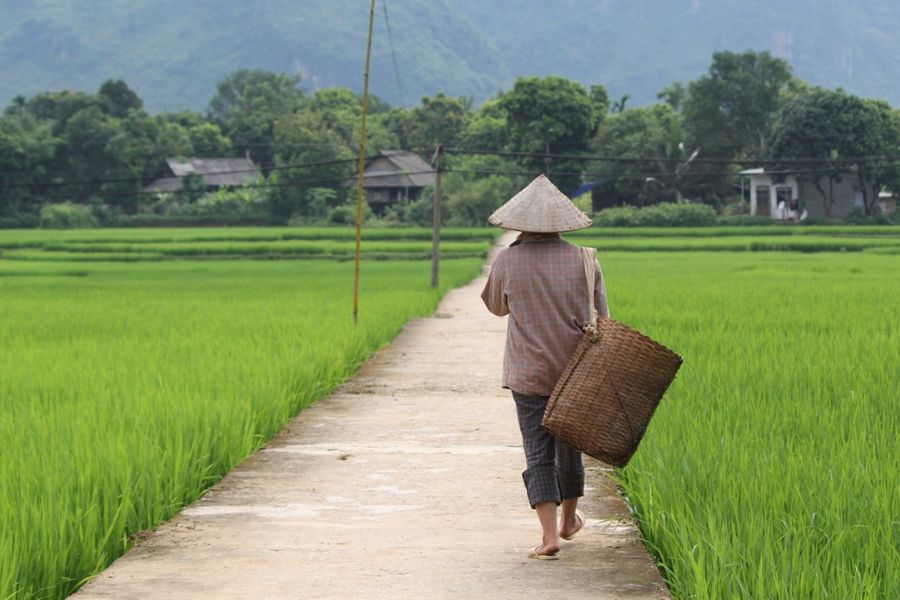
(393,176)
(788,197)
(217,173)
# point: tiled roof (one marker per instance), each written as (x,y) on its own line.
(216,172)
(407,170)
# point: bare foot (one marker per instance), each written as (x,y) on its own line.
(571,526)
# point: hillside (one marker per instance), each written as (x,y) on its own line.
(172,53)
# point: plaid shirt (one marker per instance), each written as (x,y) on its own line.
(539,282)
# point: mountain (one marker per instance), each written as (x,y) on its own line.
(172,52)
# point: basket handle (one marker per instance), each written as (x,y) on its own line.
(589,257)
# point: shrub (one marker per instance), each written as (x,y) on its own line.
(342,215)
(734,209)
(66,216)
(657,215)
(620,216)
(676,215)
(105,215)
(585,203)
(858,217)
(230,204)
(19,221)
(748,220)
(421,210)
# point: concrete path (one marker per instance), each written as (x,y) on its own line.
(404,484)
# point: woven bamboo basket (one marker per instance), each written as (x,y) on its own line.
(610,388)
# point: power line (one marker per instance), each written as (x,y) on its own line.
(387,23)
(260,185)
(642,175)
(828,165)
(622,159)
(100,182)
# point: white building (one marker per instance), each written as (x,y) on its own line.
(780,201)
(789,197)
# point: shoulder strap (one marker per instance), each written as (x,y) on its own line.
(589,257)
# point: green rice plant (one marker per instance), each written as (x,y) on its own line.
(770,468)
(126,390)
(732,231)
(323,248)
(31,238)
(739,244)
(43,255)
(884,250)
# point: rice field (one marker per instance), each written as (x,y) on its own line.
(139,366)
(126,390)
(770,469)
(136,245)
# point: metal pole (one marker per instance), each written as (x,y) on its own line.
(362,166)
(436,220)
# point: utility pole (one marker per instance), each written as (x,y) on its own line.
(362,166)
(438,161)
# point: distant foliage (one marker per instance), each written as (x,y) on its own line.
(658,215)
(66,216)
(103,150)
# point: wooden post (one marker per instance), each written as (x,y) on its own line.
(436,220)
(362,166)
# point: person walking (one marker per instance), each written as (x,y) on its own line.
(539,281)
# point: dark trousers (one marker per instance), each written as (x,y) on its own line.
(554,471)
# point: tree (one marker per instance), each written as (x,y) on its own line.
(339,110)
(878,130)
(119,98)
(185,118)
(87,136)
(729,112)
(652,132)
(487,129)
(172,140)
(551,115)
(248,103)
(59,107)
(548,112)
(393,123)
(600,102)
(673,95)
(207,141)
(304,138)
(439,120)
(619,106)
(27,148)
(836,131)
(471,198)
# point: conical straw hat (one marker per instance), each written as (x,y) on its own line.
(540,208)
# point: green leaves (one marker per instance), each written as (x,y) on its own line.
(729,112)
(832,127)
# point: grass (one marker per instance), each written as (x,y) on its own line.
(728,231)
(226,244)
(128,389)
(34,238)
(770,469)
(745,243)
